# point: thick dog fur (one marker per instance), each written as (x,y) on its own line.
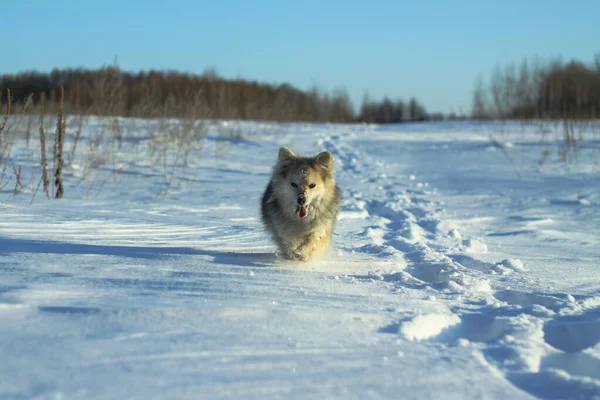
(300,204)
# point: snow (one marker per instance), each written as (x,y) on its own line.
(474,246)
(508,265)
(427,326)
(456,272)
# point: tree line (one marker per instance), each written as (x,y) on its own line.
(112,91)
(388,111)
(540,90)
(529,90)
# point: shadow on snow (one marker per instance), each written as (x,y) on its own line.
(51,247)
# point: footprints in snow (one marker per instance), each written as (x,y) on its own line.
(574,333)
(546,344)
(537,339)
(566,333)
(400,231)
(406,226)
(533,300)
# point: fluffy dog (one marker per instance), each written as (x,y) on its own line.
(300,204)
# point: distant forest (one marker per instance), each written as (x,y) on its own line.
(540,90)
(529,90)
(111,91)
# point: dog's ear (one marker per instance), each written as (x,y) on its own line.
(324,159)
(285,154)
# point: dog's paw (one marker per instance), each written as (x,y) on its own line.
(301,257)
(286,255)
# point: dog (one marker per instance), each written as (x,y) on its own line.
(300,205)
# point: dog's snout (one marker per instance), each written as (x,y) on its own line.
(302,199)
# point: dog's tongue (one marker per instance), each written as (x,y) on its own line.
(301,211)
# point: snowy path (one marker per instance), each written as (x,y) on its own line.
(535,339)
(428,294)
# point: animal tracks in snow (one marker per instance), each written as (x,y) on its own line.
(524,334)
(403,223)
(574,333)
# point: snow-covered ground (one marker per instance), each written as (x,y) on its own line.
(467,265)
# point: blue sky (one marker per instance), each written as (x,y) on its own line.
(432,50)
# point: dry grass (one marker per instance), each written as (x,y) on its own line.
(18,185)
(7,113)
(20,125)
(58,148)
(44,162)
(4,144)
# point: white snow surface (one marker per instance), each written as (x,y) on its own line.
(462,269)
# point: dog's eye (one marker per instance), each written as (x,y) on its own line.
(294,185)
(312,186)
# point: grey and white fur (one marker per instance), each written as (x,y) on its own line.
(300,204)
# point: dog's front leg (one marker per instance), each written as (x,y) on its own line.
(301,252)
(315,243)
(287,250)
(304,251)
